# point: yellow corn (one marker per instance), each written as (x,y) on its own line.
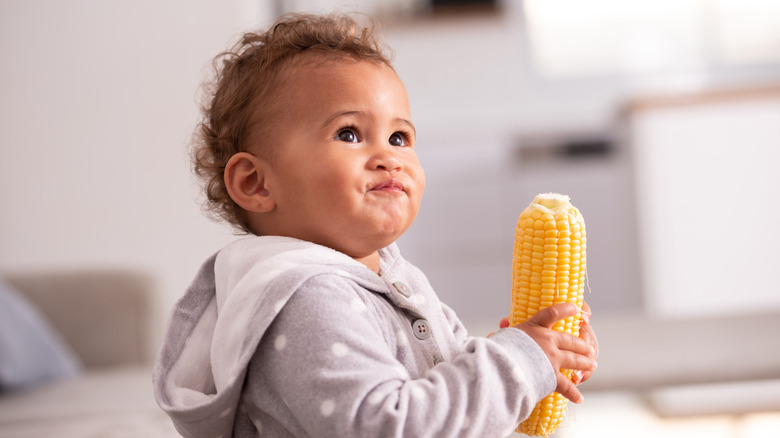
(548,267)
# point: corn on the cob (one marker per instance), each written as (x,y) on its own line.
(548,267)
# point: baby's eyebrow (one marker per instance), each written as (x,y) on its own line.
(339,115)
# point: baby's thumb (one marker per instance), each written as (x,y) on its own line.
(547,317)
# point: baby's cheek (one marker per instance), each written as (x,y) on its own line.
(420,177)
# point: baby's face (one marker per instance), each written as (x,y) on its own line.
(345,173)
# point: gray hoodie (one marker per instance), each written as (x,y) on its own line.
(280,337)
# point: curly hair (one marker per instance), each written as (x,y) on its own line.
(236,101)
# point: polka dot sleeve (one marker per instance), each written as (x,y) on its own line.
(337,362)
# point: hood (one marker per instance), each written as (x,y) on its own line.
(214,329)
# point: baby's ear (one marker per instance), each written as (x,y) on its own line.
(245,182)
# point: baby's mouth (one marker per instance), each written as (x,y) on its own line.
(391,185)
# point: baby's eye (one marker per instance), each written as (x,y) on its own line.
(347,135)
(397,139)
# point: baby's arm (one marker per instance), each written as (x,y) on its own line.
(563,350)
(329,367)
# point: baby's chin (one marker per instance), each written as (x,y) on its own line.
(363,239)
(368,246)
(362,251)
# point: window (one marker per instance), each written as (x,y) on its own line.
(574,37)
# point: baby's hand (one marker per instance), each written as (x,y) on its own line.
(563,350)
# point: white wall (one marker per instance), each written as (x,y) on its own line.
(98,101)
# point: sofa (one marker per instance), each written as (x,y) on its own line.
(95,369)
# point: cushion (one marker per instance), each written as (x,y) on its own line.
(30,351)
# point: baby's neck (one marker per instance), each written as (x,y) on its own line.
(371,261)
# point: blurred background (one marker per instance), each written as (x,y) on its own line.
(660,119)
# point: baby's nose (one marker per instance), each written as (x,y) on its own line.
(385,160)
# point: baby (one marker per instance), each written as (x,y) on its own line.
(315,325)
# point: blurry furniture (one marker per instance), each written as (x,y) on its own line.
(103,318)
(706,195)
(706,198)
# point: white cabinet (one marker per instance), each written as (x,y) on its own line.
(708,192)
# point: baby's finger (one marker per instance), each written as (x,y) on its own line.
(567,342)
(582,377)
(504,323)
(587,336)
(573,361)
(568,389)
(550,315)
(586,313)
